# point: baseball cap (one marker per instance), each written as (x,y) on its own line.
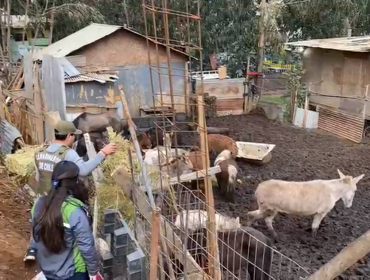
(65,170)
(65,128)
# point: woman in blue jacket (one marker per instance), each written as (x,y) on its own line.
(62,228)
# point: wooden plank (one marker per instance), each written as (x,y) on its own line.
(341,124)
(186,89)
(28,75)
(51,118)
(154,244)
(352,106)
(333,102)
(229,104)
(222,89)
(77,60)
(17,93)
(39,122)
(2,104)
(246,105)
(230,112)
(196,175)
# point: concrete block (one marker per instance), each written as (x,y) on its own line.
(121,236)
(119,251)
(136,260)
(108,228)
(120,260)
(110,216)
(136,275)
(106,270)
(107,259)
(107,276)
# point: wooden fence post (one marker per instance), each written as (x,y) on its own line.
(97,177)
(345,259)
(154,244)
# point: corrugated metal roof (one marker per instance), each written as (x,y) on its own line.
(86,36)
(352,44)
(101,78)
(68,68)
(77,40)
(87,69)
(8,134)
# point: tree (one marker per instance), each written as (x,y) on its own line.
(303,20)
(69,15)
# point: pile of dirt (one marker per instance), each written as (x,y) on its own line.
(14,232)
(301,155)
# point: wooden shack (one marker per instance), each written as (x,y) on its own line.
(337,72)
(99,47)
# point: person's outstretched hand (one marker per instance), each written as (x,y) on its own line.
(110,149)
(96,277)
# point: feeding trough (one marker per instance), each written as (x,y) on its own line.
(255,153)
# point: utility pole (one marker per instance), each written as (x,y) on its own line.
(261,43)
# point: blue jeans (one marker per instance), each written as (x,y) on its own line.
(79,276)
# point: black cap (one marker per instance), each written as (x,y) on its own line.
(65,170)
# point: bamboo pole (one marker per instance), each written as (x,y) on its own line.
(345,259)
(211,224)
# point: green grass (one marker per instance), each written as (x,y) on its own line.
(273,98)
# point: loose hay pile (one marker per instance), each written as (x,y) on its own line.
(21,164)
(111,195)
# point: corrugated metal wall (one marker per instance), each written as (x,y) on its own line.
(136,84)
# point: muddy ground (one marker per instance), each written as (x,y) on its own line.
(301,155)
(14,232)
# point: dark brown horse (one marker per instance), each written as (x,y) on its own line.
(89,122)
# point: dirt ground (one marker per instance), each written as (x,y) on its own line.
(301,155)
(14,233)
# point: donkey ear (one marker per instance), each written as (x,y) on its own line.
(341,175)
(237,220)
(357,179)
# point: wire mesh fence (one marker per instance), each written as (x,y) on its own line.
(243,252)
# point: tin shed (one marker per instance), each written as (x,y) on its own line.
(125,52)
(337,73)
